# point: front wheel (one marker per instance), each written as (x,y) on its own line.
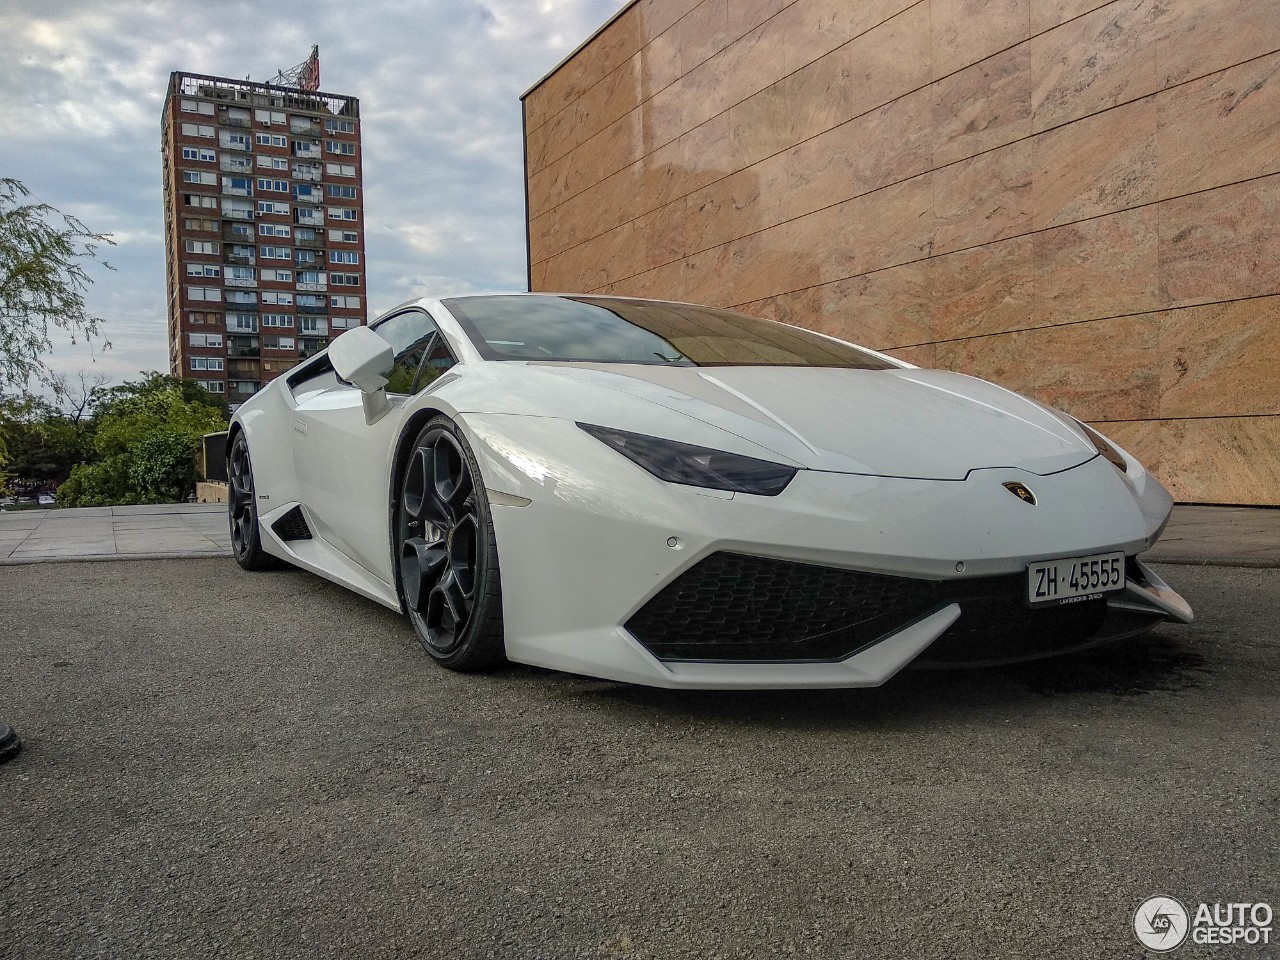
(447,555)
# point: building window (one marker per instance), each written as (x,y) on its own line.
(242,323)
(203,154)
(344,236)
(204,339)
(198,130)
(210,270)
(273,229)
(340,169)
(273,206)
(207,363)
(202,246)
(310,300)
(275,253)
(270,140)
(269,117)
(277,297)
(199,200)
(313,325)
(199,223)
(302,191)
(344,256)
(340,192)
(241,296)
(273,163)
(213,386)
(342,213)
(306,258)
(202,316)
(345,301)
(345,279)
(305,233)
(206,177)
(197,106)
(277,320)
(278,276)
(204,293)
(340,126)
(340,147)
(311,276)
(309,215)
(277,343)
(279,186)
(234,141)
(242,273)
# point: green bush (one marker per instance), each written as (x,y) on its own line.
(145,438)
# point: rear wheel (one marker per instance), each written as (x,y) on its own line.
(242,510)
(447,557)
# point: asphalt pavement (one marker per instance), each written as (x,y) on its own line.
(220,764)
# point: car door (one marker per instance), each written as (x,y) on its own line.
(343,463)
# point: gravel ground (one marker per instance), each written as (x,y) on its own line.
(220,764)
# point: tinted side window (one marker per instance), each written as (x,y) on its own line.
(418,346)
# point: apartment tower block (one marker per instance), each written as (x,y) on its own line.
(264,228)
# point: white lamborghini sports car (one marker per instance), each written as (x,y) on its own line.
(682,496)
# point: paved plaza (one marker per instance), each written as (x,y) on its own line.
(115,533)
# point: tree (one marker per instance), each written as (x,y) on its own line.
(43,444)
(145,437)
(79,400)
(43,254)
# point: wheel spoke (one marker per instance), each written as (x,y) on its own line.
(462,554)
(421,563)
(451,480)
(458,495)
(447,598)
(416,485)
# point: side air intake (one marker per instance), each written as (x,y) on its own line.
(292,526)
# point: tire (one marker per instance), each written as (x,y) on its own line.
(446,555)
(242,510)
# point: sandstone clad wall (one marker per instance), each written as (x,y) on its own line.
(1079,200)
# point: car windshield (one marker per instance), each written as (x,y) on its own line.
(610,330)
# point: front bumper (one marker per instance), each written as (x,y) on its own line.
(586,562)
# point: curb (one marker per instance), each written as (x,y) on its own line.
(1247,562)
(103,557)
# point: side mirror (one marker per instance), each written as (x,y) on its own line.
(363,358)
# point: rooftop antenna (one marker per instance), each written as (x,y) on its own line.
(304,76)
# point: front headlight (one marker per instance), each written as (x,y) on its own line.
(1114,456)
(696,466)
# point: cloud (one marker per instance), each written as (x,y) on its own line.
(439,83)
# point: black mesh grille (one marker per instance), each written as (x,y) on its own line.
(734,607)
(292,526)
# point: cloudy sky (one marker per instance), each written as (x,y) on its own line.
(439,81)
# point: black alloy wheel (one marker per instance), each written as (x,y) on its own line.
(447,559)
(242,510)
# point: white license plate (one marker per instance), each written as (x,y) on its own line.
(1078,578)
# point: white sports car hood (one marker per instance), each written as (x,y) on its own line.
(912,423)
